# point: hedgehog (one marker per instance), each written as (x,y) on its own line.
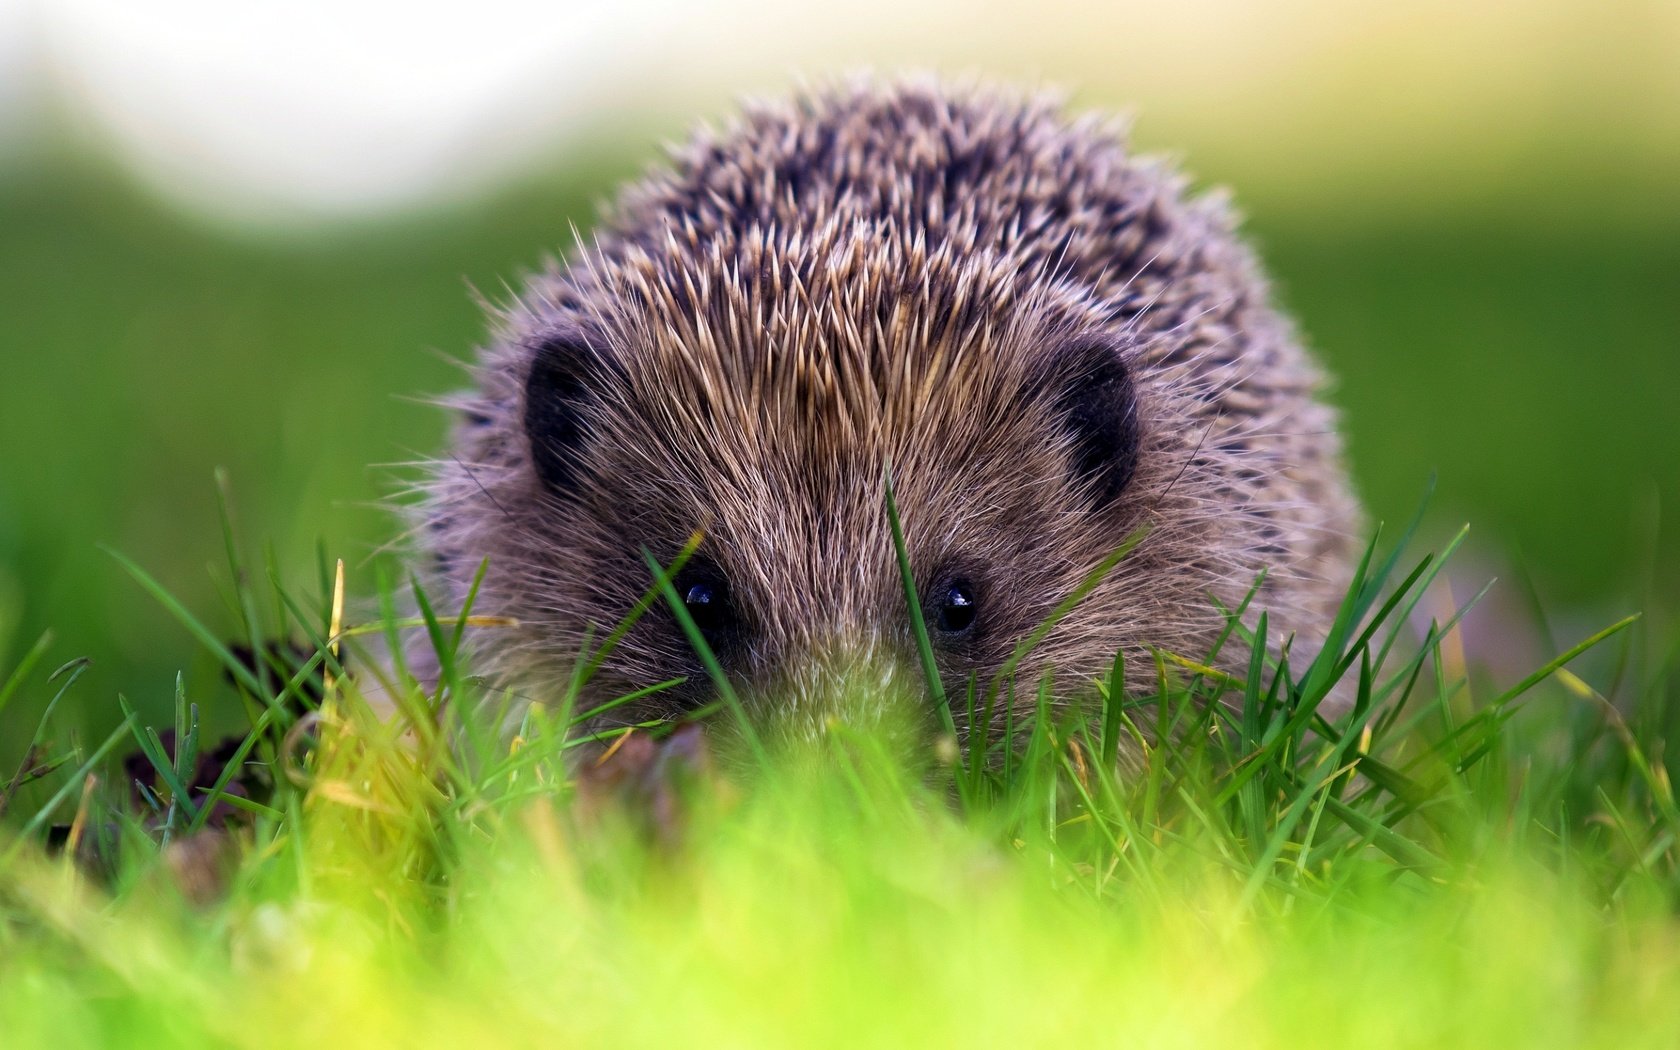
(1048,344)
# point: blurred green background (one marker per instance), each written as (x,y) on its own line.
(1482,244)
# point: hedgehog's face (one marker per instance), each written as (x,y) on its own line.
(1012,436)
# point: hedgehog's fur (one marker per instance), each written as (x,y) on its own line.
(1049,343)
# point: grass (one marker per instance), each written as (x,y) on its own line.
(1447,862)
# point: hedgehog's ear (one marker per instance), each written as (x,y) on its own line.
(1095,402)
(566,372)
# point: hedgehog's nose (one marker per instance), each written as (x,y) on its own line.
(841,690)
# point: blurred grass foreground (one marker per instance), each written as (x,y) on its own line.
(1223,863)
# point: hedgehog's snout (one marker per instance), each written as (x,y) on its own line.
(840,687)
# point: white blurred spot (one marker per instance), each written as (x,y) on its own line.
(335,106)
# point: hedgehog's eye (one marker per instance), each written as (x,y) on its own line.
(706,599)
(954,614)
(707,604)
